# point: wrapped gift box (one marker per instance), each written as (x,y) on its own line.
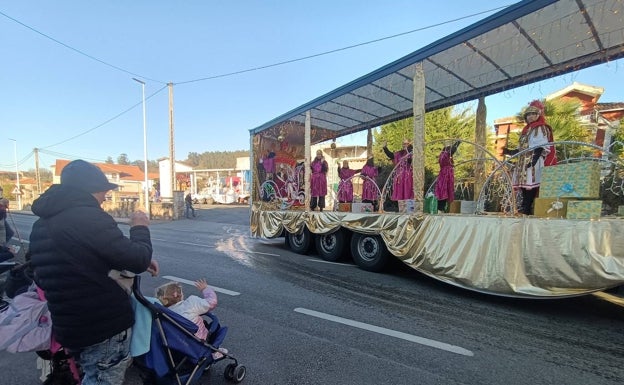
(362,207)
(589,209)
(550,207)
(468,207)
(344,207)
(431,205)
(463,207)
(571,180)
(410,206)
(455,207)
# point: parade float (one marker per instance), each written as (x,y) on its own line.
(574,242)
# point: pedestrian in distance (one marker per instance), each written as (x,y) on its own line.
(188,206)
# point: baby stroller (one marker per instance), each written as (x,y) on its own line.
(57,365)
(176,355)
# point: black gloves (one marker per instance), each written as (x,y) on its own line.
(537,153)
(507,151)
(454,147)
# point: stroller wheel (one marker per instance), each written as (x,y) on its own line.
(235,373)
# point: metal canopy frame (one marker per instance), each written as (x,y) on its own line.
(524,43)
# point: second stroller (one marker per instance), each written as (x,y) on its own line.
(176,354)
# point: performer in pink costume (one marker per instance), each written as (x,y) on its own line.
(318,181)
(445,186)
(370,191)
(402,184)
(345,187)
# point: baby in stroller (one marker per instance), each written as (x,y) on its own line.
(183,344)
(193,307)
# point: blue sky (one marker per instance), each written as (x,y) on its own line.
(52,93)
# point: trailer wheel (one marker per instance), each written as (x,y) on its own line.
(369,252)
(299,242)
(330,247)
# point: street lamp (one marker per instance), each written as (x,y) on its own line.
(19,190)
(146,187)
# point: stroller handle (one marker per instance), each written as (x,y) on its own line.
(136,290)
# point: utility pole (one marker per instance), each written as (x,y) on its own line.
(18,189)
(37,175)
(171,140)
(146,182)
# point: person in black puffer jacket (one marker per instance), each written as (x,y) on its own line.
(74,245)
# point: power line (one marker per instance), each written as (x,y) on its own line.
(79,51)
(228,74)
(105,122)
(68,156)
(221,75)
(339,49)
(20,162)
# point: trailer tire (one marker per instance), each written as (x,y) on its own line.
(299,242)
(330,247)
(369,252)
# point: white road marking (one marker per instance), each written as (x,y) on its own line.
(184,243)
(388,332)
(192,283)
(195,244)
(204,245)
(259,252)
(328,262)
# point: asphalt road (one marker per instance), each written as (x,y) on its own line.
(295,319)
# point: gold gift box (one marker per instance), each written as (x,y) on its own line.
(344,207)
(571,180)
(589,209)
(546,207)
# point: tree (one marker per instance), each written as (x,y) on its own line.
(215,159)
(445,123)
(617,140)
(123,159)
(563,117)
(152,165)
(109,160)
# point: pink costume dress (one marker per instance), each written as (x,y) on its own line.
(269,164)
(445,186)
(402,184)
(318,180)
(370,191)
(345,187)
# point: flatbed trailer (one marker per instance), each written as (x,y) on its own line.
(498,253)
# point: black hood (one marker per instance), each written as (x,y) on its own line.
(59,198)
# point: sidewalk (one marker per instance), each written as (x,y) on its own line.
(200,210)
